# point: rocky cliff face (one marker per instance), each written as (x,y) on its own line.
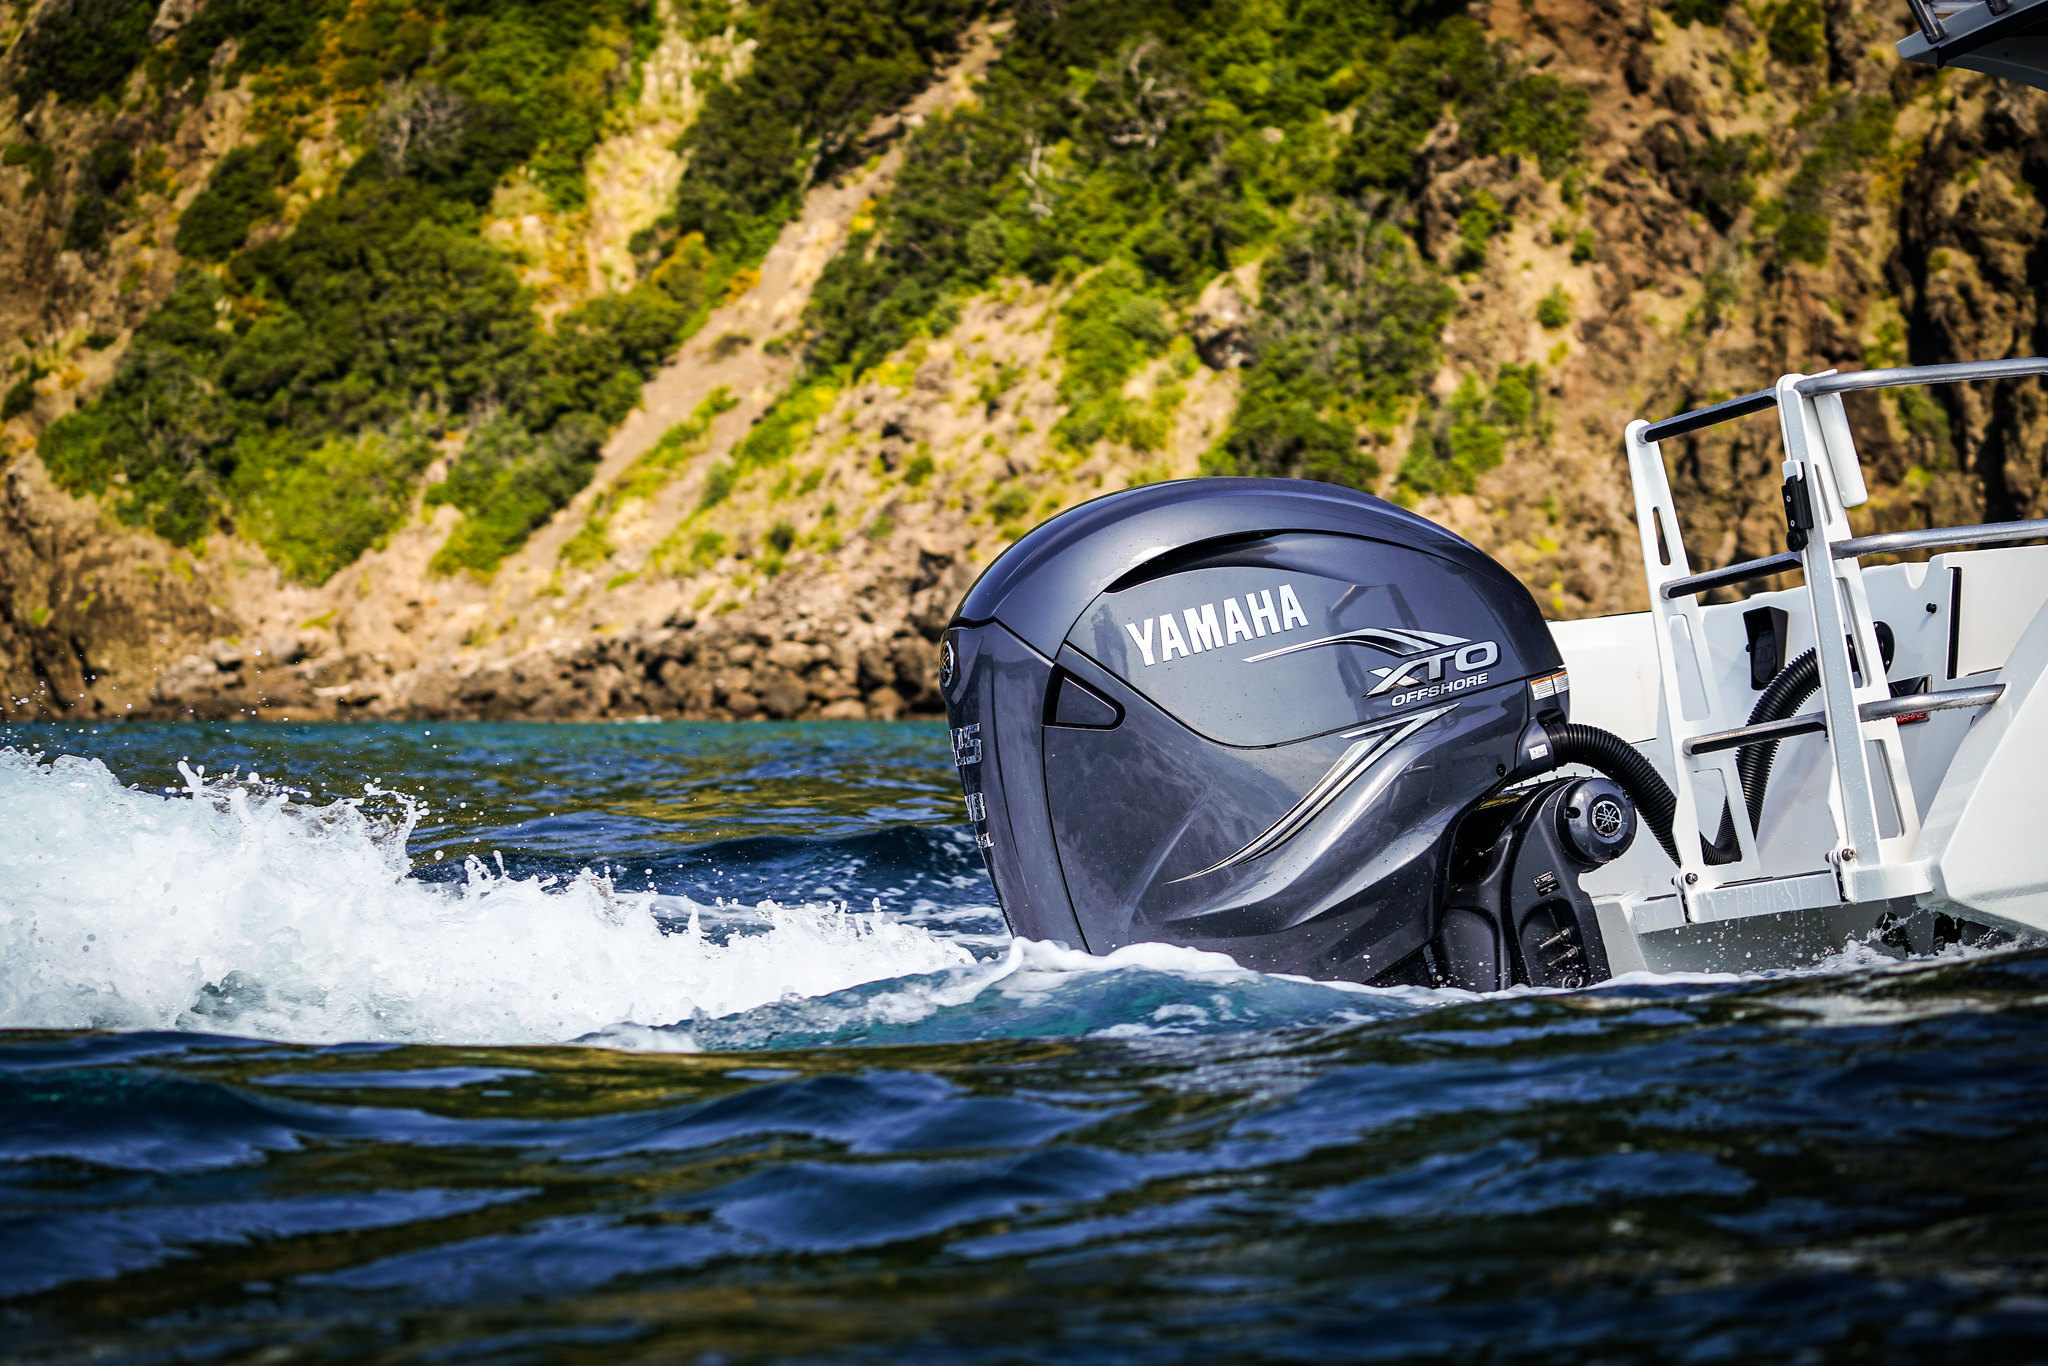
(1757,190)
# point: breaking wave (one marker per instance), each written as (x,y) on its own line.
(229,906)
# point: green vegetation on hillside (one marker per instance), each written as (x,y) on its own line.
(241,192)
(1164,144)
(1347,328)
(82,49)
(85,50)
(1108,329)
(267,35)
(102,202)
(824,71)
(298,391)
(304,375)
(1724,176)
(1798,32)
(39,159)
(1461,440)
(1852,135)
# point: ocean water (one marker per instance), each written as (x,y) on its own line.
(453,1043)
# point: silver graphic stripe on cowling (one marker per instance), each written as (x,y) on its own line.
(1373,743)
(1395,640)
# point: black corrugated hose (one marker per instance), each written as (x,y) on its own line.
(1783,696)
(1618,759)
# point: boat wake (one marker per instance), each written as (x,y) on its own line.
(231,906)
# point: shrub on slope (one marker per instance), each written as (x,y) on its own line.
(297,391)
(1166,143)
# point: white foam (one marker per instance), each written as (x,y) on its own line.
(230,908)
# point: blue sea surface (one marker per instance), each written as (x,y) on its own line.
(449,1043)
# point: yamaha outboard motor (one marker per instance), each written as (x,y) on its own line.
(1285,721)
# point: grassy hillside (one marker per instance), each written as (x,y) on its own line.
(308,368)
(1161,145)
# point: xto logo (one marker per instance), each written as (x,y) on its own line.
(1430,657)
(1428,671)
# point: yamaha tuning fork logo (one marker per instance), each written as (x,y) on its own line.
(1431,664)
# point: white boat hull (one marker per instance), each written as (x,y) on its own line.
(1932,826)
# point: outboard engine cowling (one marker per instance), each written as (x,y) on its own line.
(1252,715)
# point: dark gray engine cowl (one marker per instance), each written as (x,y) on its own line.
(1239,714)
